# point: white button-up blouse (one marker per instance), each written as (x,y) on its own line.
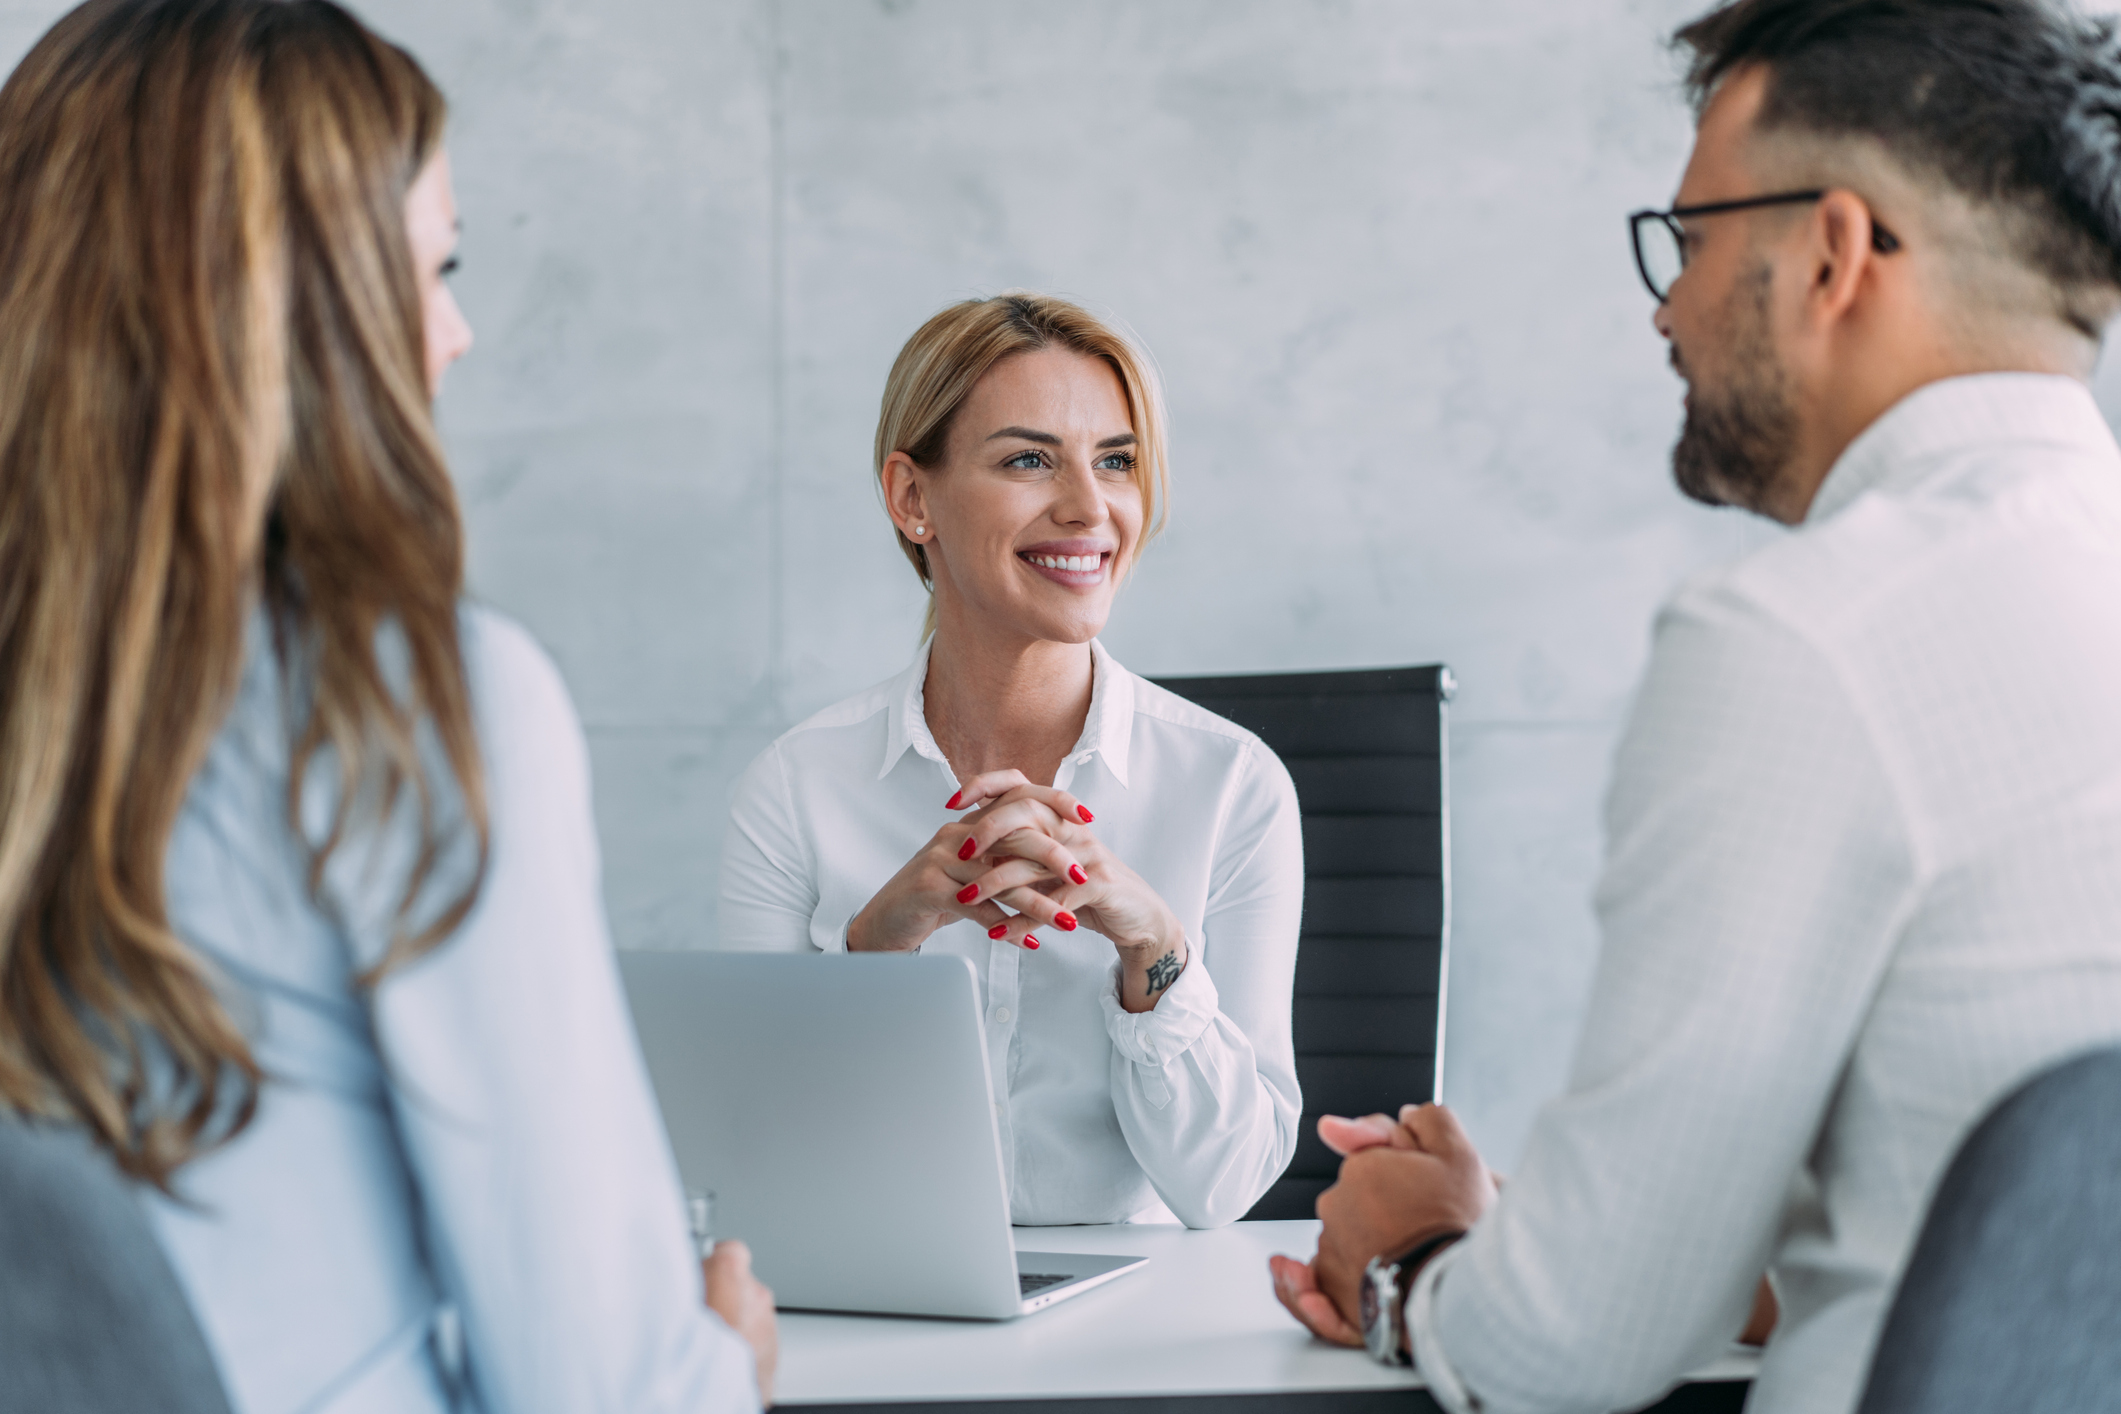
(1189,1109)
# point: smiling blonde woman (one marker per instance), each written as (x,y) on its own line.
(1089,841)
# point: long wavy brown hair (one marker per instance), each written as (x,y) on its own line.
(212,393)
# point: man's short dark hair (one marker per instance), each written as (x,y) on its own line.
(2013,103)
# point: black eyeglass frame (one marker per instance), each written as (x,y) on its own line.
(1882,240)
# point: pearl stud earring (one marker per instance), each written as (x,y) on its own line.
(919,530)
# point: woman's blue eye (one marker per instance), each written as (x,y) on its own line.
(1029,461)
(1118,461)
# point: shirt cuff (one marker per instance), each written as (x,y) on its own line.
(1166,1031)
(827,935)
(1445,1387)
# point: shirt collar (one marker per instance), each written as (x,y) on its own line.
(1110,728)
(1107,732)
(1961,414)
(909,718)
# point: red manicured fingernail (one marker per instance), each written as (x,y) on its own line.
(1075,872)
(951,803)
(1084,811)
(1030,942)
(1066,921)
(968,893)
(968,849)
(997,930)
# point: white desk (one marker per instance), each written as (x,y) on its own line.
(1201,1318)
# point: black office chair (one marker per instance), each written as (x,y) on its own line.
(2012,1299)
(1369,753)
(92,1320)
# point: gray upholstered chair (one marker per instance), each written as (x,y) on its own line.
(92,1320)
(2012,1299)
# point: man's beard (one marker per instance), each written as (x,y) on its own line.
(1737,441)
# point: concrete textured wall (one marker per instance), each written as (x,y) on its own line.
(1376,246)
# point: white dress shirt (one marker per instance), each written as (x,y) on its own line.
(468,1156)
(1189,1109)
(1863,877)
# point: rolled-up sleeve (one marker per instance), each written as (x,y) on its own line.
(1204,1083)
(552,1205)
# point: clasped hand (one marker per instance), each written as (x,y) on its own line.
(1402,1181)
(1027,849)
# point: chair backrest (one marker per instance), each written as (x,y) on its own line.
(92,1320)
(1369,752)
(2012,1298)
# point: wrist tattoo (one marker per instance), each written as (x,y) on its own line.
(1163,972)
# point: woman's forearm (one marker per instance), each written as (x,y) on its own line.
(1148,968)
(1208,1122)
(1205,1082)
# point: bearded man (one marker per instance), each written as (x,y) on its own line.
(1864,833)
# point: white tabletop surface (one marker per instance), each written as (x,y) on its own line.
(1200,1318)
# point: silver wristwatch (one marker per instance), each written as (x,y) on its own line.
(1385,1284)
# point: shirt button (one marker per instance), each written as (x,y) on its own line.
(997,1106)
(1001,1013)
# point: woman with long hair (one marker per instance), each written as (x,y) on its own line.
(1121,843)
(299,911)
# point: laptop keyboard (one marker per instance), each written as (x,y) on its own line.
(1029,1282)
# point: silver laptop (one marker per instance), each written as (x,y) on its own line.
(838,1113)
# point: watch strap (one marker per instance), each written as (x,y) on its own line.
(1416,1257)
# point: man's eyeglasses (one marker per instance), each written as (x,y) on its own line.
(1661,244)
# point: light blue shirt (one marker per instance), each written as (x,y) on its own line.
(470,1146)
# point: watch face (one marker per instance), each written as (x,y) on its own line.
(1378,1315)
